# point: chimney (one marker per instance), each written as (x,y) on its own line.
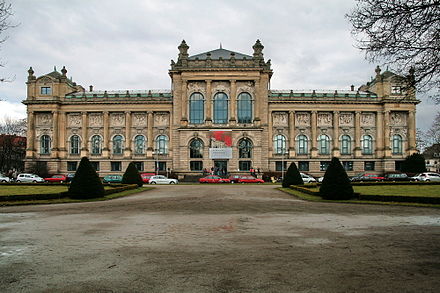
(352,88)
(91,88)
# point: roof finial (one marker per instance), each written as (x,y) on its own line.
(54,68)
(221,45)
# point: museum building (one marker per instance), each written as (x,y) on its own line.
(220,112)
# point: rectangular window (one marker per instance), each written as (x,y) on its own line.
(323,165)
(161,166)
(303,166)
(116,166)
(398,165)
(369,166)
(348,165)
(279,165)
(244,165)
(139,166)
(71,166)
(396,90)
(196,165)
(46,90)
(95,165)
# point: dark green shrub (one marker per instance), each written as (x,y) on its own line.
(414,164)
(336,184)
(292,176)
(132,176)
(86,183)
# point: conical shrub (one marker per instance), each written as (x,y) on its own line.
(336,184)
(86,183)
(132,176)
(292,176)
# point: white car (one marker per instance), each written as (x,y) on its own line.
(25,177)
(4,179)
(307,178)
(160,179)
(427,176)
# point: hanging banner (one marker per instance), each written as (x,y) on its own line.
(220,144)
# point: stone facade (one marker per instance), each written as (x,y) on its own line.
(220,93)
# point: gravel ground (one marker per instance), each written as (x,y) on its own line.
(225,238)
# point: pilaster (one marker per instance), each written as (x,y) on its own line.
(208,100)
(379,134)
(386,139)
(55,133)
(292,152)
(336,151)
(357,134)
(313,130)
(30,135)
(150,134)
(127,149)
(85,135)
(233,100)
(105,149)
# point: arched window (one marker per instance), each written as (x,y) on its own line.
(139,145)
(324,144)
(162,145)
(45,144)
(196,108)
(302,145)
(345,145)
(221,108)
(196,148)
(117,144)
(75,145)
(367,145)
(245,146)
(279,144)
(397,144)
(96,145)
(244,108)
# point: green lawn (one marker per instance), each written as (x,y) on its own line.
(6,190)
(400,190)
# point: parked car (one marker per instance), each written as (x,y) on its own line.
(112,179)
(361,177)
(27,177)
(427,176)
(307,178)
(56,178)
(160,179)
(4,178)
(320,179)
(69,177)
(213,179)
(397,177)
(249,179)
(146,177)
(234,178)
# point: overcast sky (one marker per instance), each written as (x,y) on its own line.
(129,44)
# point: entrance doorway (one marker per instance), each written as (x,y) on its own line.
(221,167)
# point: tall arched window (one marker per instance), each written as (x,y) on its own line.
(244,108)
(96,145)
(139,144)
(117,144)
(196,148)
(196,108)
(367,145)
(45,144)
(162,145)
(279,144)
(397,144)
(302,147)
(345,145)
(324,144)
(75,145)
(221,108)
(245,146)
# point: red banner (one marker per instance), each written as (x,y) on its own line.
(220,138)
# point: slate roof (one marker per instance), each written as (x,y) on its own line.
(217,53)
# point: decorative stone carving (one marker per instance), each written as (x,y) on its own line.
(400,131)
(196,87)
(117,119)
(139,119)
(398,118)
(161,119)
(367,119)
(45,80)
(44,119)
(221,87)
(95,120)
(247,87)
(346,119)
(279,119)
(325,119)
(74,120)
(302,118)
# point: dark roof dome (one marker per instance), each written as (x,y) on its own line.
(216,54)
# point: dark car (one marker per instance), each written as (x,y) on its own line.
(69,177)
(397,177)
(112,179)
(369,177)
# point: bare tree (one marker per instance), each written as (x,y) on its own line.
(14,126)
(404,34)
(433,133)
(5,24)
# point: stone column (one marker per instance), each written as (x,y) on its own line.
(270,133)
(233,101)
(386,138)
(105,149)
(30,135)
(208,101)
(127,150)
(85,135)
(54,151)
(150,142)
(62,151)
(379,134)
(336,150)
(357,135)
(412,132)
(257,101)
(314,129)
(184,105)
(292,152)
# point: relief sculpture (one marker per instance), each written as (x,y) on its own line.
(95,120)
(279,118)
(220,86)
(398,118)
(247,87)
(302,118)
(196,86)
(325,119)
(44,119)
(139,119)
(117,119)
(74,120)
(367,119)
(161,119)
(346,119)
